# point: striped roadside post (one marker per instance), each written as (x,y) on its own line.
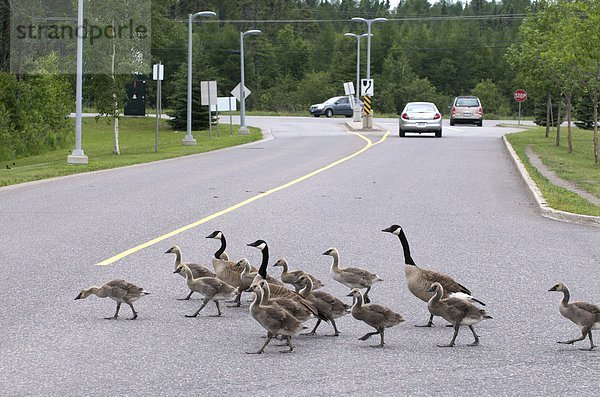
(368,112)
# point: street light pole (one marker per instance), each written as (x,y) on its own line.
(77,156)
(368,118)
(357,89)
(243,129)
(189,139)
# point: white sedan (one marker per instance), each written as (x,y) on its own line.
(420,117)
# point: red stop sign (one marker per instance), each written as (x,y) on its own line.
(520,95)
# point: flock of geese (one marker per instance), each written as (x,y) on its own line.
(282,311)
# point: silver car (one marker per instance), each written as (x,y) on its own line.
(466,109)
(420,117)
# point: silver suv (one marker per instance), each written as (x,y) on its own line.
(466,109)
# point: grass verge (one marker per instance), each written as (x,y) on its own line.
(577,167)
(136,141)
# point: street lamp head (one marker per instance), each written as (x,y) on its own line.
(380,20)
(205,14)
(358,19)
(350,35)
(253,31)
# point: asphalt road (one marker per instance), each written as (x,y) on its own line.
(459,199)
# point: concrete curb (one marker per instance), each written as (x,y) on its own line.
(545,210)
(351,126)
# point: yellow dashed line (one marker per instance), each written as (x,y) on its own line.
(243,203)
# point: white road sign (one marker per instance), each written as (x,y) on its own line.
(349,88)
(158,71)
(366,87)
(225,104)
(208,92)
(236,92)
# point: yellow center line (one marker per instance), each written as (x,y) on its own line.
(234,207)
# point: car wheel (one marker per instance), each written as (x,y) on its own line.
(438,134)
(451,122)
(480,123)
(401,133)
(329,113)
(316,115)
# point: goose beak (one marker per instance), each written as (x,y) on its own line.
(388,230)
(78,296)
(350,294)
(431,289)
(552,289)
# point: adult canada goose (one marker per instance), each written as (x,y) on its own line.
(120,291)
(584,314)
(330,306)
(419,280)
(279,290)
(197,269)
(226,269)
(351,277)
(377,316)
(297,308)
(212,288)
(274,319)
(291,277)
(456,311)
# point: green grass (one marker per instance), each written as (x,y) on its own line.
(136,138)
(577,167)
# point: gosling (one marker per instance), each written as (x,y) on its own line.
(377,316)
(117,290)
(584,314)
(457,311)
(351,277)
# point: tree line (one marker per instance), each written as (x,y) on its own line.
(424,51)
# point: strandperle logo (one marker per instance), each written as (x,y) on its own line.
(116,36)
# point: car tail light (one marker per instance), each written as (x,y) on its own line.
(480,111)
(437,116)
(405,116)
(453,111)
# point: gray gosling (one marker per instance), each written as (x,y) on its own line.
(456,311)
(292,277)
(584,314)
(211,288)
(297,308)
(274,319)
(377,316)
(197,269)
(120,291)
(330,306)
(351,277)
(419,280)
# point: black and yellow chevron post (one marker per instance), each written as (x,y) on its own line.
(367,102)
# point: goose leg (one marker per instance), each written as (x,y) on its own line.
(584,332)
(237,300)
(288,338)
(262,349)
(218,310)
(133,310)
(187,298)
(314,329)
(429,323)
(381,336)
(116,313)
(368,335)
(206,300)
(476,342)
(366,295)
(451,344)
(591,341)
(336,332)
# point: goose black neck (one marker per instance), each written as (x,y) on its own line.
(222,248)
(407,258)
(262,271)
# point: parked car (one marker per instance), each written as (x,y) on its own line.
(420,117)
(338,105)
(466,109)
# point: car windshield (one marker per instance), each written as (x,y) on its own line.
(467,102)
(420,107)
